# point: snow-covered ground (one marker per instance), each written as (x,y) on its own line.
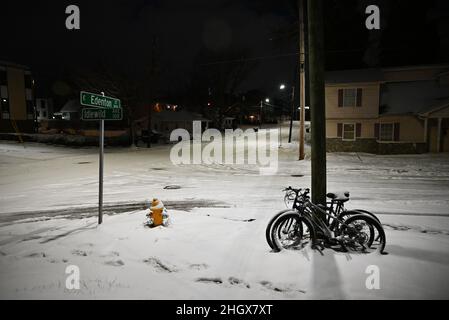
(215,247)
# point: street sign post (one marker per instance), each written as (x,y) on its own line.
(102,108)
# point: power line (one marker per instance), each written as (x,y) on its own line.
(250,59)
(271,57)
(289,55)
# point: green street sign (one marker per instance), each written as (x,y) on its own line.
(101,114)
(99,101)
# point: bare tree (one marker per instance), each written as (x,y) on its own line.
(220,75)
(136,86)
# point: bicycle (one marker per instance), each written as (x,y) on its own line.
(295,197)
(295,230)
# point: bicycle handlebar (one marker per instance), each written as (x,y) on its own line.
(305,191)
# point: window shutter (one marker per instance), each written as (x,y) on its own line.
(358,130)
(376,131)
(396,131)
(339,130)
(340,97)
(359,97)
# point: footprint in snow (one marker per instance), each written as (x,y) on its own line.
(159,265)
(80,253)
(111,254)
(198,266)
(210,280)
(270,286)
(115,263)
(36,255)
(238,282)
(232,281)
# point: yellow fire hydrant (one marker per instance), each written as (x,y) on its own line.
(156,209)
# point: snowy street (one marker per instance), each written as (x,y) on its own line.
(215,246)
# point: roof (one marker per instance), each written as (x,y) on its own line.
(412,97)
(356,75)
(417,67)
(71,106)
(443,103)
(13,64)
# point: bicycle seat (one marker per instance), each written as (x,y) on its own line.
(338,196)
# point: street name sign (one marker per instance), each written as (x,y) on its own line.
(102,114)
(99,101)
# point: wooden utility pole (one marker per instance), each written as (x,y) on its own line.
(302,79)
(317,99)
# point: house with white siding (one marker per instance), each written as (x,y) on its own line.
(389,110)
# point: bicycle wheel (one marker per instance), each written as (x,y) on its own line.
(348,213)
(367,213)
(362,233)
(270,226)
(292,232)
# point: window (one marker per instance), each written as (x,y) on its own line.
(351,97)
(386,132)
(348,131)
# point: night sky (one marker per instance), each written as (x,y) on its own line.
(120,34)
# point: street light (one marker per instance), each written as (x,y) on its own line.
(282,87)
(267,100)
